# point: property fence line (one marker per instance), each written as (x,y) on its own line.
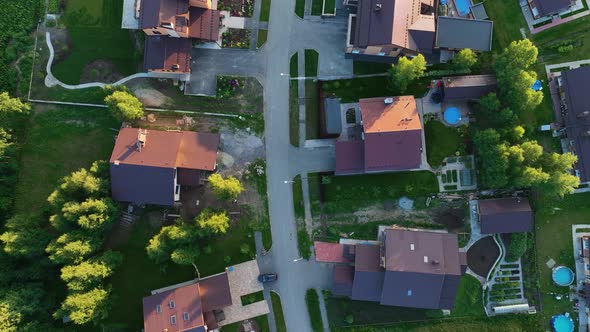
(33,65)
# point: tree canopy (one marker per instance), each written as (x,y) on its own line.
(24,236)
(228,188)
(91,273)
(86,307)
(464,59)
(213,222)
(407,70)
(124,106)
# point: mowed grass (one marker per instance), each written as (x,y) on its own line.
(262,36)
(298,198)
(312,116)
(311,63)
(265,10)
(277,309)
(441,142)
(351,90)
(58,142)
(469,300)
(573,33)
(316,7)
(300,8)
(95,32)
(508,20)
(313,308)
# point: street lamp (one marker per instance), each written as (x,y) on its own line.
(287,181)
(297,259)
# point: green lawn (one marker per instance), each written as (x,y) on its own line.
(265,10)
(277,309)
(364,67)
(469,298)
(303,241)
(441,142)
(293,65)
(95,33)
(298,198)
(262,322)
(330,6)
(57,143)
(508,19)
(312,116)
(573,33)
(300,8)
(311,63)
(351,90)
(316,7)
(262,36)
(349,193)
(313,308)
(293,113)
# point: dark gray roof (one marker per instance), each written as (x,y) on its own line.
(333,116)
(460,33)
(420,290)
(479,11)
(342,279)
(548,7)
(367,286)
(576,83)
(505,215)
(421,40)
(468,87)
(149,14)
(142,184)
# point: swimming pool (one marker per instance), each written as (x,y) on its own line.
(562,323)
(463,7)
(452,115)
(563,276)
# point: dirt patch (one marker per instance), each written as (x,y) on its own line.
(452,219)
(240,148)
(482,255)
(100,71)
(151,97)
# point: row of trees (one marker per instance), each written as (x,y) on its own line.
(507,157)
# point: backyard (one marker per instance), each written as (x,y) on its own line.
(351,90)
(95,33)
(508,20)
(442,141)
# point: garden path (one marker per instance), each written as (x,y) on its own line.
(580,272)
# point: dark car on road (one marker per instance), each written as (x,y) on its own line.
(268,277)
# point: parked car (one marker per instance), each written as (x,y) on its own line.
(268,277)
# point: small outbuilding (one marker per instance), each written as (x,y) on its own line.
(505,215)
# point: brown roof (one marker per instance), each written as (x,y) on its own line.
(468,87)
(185,298)
(163,53)
(505,215)
(367,258)
(393,133)
(153,13)
(215,292)
(421,251)
(333,252)
(204,24)
(197,150)
(350,157)
(390,24)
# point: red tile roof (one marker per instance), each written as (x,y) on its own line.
(186,299)
(333,252)
(204,24)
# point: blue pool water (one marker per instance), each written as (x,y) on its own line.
(452,115)
(563,276)
(463,7)
(562,323)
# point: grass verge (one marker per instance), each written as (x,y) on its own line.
(316,7)
(300,8)
(303,242)
(265,10)
(312,116)
(311,63)
(313,308)
(329,6)
(298,198)
(262,36)
(277,309)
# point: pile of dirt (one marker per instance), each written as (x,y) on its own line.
(452,218)
(100,71)
(151,97)
(243,147)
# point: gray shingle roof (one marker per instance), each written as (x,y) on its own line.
(460,33)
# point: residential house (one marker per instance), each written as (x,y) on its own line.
(468,87)
(406,268)
(383,30)
(575,110)
(170,27)
(205,304)
(505,215)
(391,138)
(540,8)
(149,167)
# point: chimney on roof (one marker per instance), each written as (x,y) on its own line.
(116,162)
(141,139)
(378,7)
(388,100)
(175,66)
(583,114)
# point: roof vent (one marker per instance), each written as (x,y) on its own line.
(378,7)
(117,162)
(388,100)
(412,246)
(425,259)
(175,66)
(141,139)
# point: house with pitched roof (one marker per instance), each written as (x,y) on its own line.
(505,215)
(540,8)
(149,167)
(383,30)
(405,267)
(170,27)
(468,87)
(391,138)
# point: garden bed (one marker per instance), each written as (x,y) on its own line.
(236,38)
(239,8)
(482,255)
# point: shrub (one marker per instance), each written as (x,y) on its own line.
(517,246)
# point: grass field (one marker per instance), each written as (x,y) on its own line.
(313,308)
(262,36)
(265,10)
(95,32)
(441,142)
(312,117)
(57,143)
(311,63)
(277,309)
(300,8)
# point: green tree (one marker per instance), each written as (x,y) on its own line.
(213,222)
(464,59)
(10,318)
(24,236)
(92,214)
(406,71)
(9,106)
(78,186)
(71,248)
(90,273)
(170,238)
(492,157)
(124,106)
(228,188)
(186,256)
(517,246)
(87,307)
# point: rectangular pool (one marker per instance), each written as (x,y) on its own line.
(463,7)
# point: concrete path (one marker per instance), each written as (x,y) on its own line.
(570,65)
(474,222)
(51,80)
(580,274)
